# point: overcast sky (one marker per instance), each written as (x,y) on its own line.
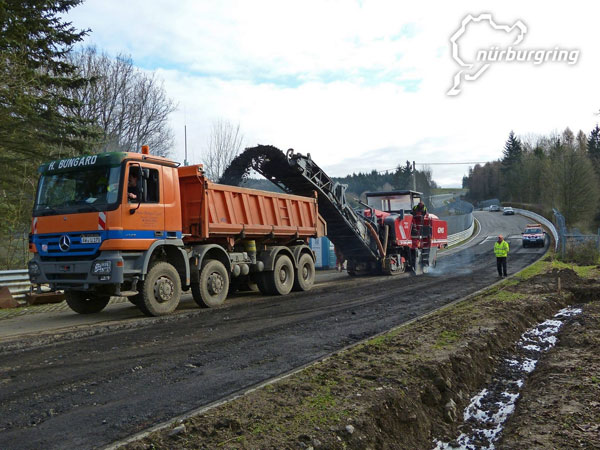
(360,85)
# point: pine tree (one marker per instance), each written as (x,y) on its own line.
(33,41)
(513,150)
(593,145)
(512,154)
(34,38)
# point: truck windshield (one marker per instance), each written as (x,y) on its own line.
(83,190)
(533,231)
(390,203)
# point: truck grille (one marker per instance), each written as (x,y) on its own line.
(48,245)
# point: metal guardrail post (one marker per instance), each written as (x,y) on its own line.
(17,281)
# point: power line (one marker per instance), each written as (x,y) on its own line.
(468,163)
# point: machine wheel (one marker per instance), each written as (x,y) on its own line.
(305,273)
(281,280)
(86,303)
(213,287)
(161,290)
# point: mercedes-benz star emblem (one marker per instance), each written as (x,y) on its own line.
(64,243)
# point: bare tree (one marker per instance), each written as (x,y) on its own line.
(129,107)
(224,143)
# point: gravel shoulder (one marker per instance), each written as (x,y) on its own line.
(408,387)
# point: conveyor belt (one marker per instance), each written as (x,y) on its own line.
(298,174)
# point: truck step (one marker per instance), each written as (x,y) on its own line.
(129,293)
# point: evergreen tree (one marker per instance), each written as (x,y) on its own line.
(593,145)
(33,41)
(513,150)
(34,38)
(403,176)
(512,154)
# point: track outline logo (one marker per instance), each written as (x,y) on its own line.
(485,57)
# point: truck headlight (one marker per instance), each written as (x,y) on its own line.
(101,267)
(34,269)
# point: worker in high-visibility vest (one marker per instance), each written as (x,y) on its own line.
(501,251)
(419,208)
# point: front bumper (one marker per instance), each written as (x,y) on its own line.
(73,274)
(534,241)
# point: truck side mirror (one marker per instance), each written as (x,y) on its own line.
(145,173)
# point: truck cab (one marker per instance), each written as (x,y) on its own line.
(96,220)
(397,202)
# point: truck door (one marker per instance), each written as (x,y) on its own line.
(143,208)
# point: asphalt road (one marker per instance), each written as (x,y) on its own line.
(89,386)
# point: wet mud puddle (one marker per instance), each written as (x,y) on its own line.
(485,415)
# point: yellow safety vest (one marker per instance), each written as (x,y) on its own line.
(501,249)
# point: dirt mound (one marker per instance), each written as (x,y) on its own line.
(260,156)
(548,282)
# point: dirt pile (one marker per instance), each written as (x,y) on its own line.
(402,389)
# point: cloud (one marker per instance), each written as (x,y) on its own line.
(359,86)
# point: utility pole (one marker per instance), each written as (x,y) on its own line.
(185,161)
(414,177)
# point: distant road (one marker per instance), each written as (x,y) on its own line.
(438,200)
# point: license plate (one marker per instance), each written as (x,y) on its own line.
(94,239)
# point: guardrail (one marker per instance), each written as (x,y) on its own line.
(542,220)
(17,282)
(457,237)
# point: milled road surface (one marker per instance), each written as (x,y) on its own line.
(94,385)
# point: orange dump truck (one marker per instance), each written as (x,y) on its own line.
(139,226)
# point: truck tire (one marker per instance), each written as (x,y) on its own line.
(85,302)
(305,273)
(281,280)
(261,282)
(213,287)
(161,290)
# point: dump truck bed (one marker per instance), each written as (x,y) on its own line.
(211,210)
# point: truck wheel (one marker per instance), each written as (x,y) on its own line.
(86,303)
(305,273)
(281,280)
(261,282)
(213,287)
(161,290)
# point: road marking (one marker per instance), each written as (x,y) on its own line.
(487,239)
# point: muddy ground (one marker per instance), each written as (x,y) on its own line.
(87,387)
(407,388)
